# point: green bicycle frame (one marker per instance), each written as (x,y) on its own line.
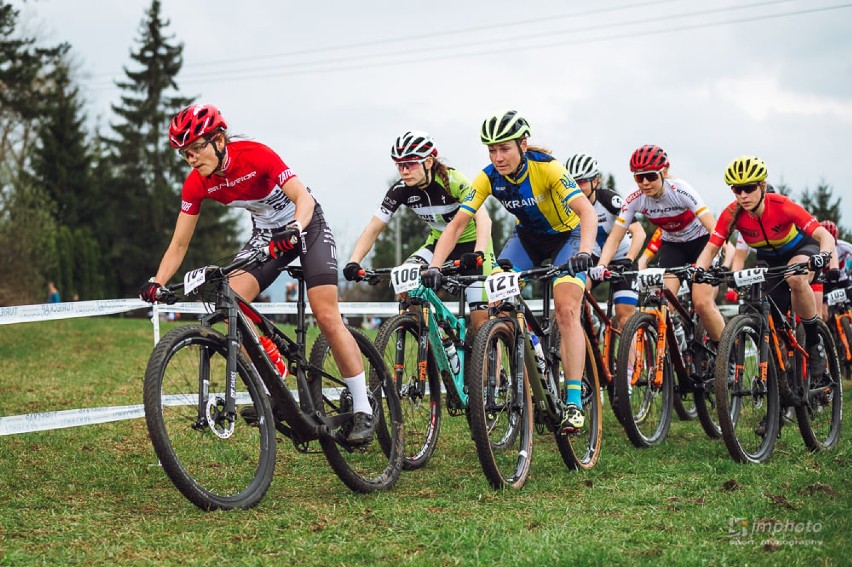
(454,326)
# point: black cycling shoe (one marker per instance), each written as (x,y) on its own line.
(363,426)
(816,361)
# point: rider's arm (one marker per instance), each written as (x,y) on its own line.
(826,244)
(449,238)
(708,220)
(175,253)
(612,241)
(637,235)
(304,201)
(367,239)
(707,255)
(740,255)
(483,229)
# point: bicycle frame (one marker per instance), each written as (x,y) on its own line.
(544,389)
(591,305)
(436,316)
(303,418)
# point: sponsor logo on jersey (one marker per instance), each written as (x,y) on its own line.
(568,182)
(413,199)
(285,175)
(184,206)
(233,183)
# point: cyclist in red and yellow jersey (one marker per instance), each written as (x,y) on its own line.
(783,233)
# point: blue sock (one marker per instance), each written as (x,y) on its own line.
(574,388)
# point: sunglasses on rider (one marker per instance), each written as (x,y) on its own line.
(649,176)
(747,189)
(195,149)
(406,165)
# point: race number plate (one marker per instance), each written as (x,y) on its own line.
(502,285)
(193,279)
(836,296)
(405,278)
(750,276)
(650,278)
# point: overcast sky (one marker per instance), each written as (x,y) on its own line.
(330,84)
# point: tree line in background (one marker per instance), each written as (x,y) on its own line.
(94,211)
(91,211)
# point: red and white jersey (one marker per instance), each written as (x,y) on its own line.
(252,178)
(676,211)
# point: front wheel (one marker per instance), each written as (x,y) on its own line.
(703,369)
(643,400)
(215,459)
(500,412)
(581,450)
(417,383)
(377,464)
(820,416)
(746,392)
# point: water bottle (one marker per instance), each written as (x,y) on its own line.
(452,355)
(680,335)
(539,353)
(274,356)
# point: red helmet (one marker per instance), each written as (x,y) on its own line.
(830,227)
(193,122)
(649,158)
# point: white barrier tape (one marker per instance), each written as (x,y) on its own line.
(289,308)
(67,418)
(53,311)
(33,422)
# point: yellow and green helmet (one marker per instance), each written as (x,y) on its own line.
(745,170)
(504,126)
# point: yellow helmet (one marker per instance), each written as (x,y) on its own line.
(745,170)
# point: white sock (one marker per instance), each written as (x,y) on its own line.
(358,388)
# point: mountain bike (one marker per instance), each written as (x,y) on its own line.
(762,369)
(840,324)
(515,386)
(603,335)
(425,347)
(650,358)
(198,376)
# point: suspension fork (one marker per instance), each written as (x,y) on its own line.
(662,328)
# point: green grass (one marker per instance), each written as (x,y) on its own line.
(96,494)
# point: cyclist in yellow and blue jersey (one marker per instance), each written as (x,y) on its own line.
(549,206)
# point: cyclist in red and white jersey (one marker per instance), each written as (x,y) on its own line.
(783,233)
(672,204)
(251,176)
(841,278)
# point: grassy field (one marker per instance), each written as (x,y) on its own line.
(96,494)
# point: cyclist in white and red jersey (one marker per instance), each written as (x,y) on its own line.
(252,176)
(672,204)
(840,278)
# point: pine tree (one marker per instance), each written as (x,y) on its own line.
(821,203)
(145,196)
(26,226)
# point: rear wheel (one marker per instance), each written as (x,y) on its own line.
(820,416)
(748,405)
(377,464)
(581,450)
(417,383)
(644,406)
(216,460)
(500,413)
